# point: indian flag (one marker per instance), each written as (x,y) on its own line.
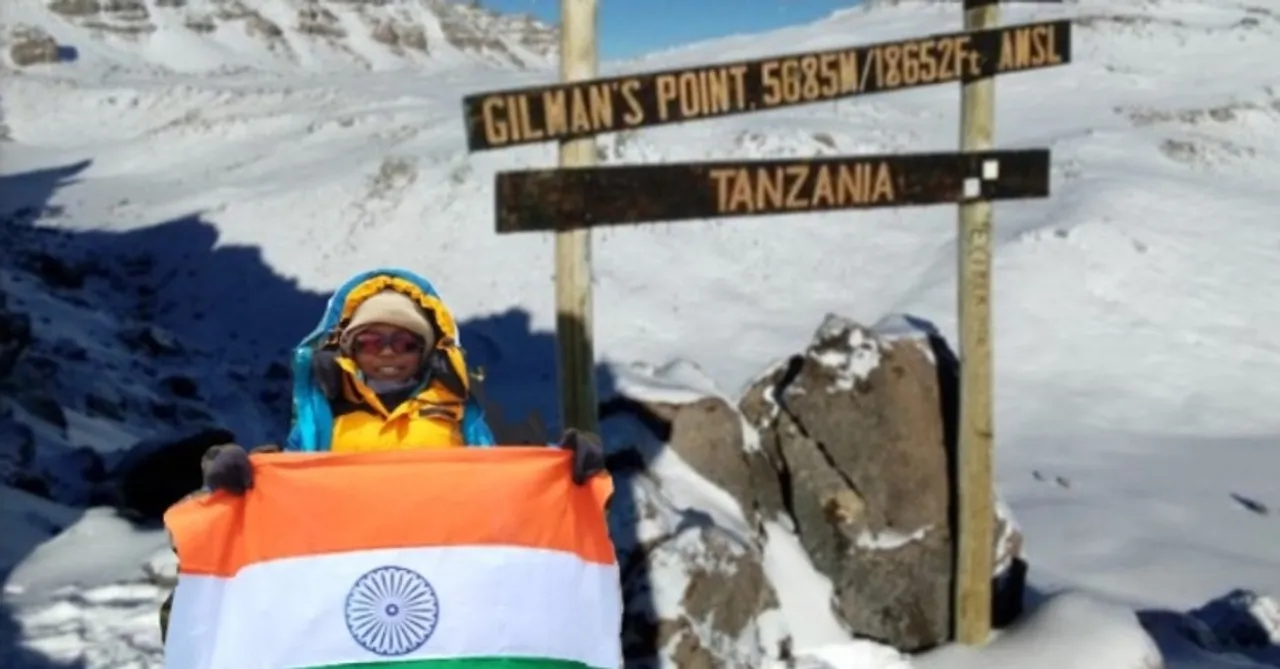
(454,559)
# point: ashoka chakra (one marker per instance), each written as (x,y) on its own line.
(392,611)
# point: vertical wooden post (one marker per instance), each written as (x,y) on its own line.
(574,331)
(976,518)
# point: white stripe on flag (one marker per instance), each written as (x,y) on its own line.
(491,602)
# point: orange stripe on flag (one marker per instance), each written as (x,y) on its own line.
(309,504)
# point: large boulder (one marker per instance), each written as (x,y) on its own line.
(156,473)
(851,444)
(856,424)
(29,45)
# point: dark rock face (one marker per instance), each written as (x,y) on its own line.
(156,474)
(856,421)
(15,336)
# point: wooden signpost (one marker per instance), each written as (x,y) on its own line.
(570,202)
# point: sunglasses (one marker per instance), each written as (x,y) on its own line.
(371,343)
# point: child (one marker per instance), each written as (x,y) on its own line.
(382,371)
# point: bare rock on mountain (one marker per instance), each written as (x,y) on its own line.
(15,335)
(156,473)
(694,586)
(29,45)
(860,431)
(860,426)
(850,443)
(318,21)
(122,18)
(370,33)
(396,34)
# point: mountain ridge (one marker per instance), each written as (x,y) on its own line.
(273,35)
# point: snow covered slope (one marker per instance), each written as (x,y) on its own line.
(280,35)
(1138,440)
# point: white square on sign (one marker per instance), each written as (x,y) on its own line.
(972,187)
(990,170)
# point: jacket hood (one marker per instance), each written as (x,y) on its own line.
(361,287)
(313,418)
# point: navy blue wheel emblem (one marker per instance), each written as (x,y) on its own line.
(392,611)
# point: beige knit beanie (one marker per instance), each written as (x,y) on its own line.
(390,308)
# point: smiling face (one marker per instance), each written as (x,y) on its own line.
(387,353)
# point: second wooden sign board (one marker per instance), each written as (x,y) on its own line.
(554,199)
(502,119)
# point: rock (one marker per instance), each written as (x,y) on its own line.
(708,434)
(727,590)
(17,449)
(320,22)
(125,18)
(162,568)
(397,34)
(44,408)
(724,597)
(150,340)
(859,432)
(277,371)
(29,45)
(75,8)
(164,410)
(55,272)
(850,444)
(105,401)
(694,586)
(183,387)
(859,429)
(70,477)
(68,349)
(1240,620)
(155,474)
(15,336)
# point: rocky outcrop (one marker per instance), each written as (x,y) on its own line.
(15,336)
(407,31)
(851,443)
(98,404)
(155,474)
(855,426)
(29,45)
(122,18)
(694,584)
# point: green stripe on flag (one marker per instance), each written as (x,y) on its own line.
(467,663)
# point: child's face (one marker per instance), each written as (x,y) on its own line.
(387,353)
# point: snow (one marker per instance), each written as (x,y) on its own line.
(1070,631)
(853,360)
(804,594)
(1134,325)
(888,540)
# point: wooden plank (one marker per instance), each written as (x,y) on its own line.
(506,118)
(575,336)
(544,200)
(975,547)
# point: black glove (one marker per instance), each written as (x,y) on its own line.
(588,454)
(227,467)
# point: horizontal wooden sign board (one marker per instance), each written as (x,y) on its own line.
(551,199)
(581,109)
